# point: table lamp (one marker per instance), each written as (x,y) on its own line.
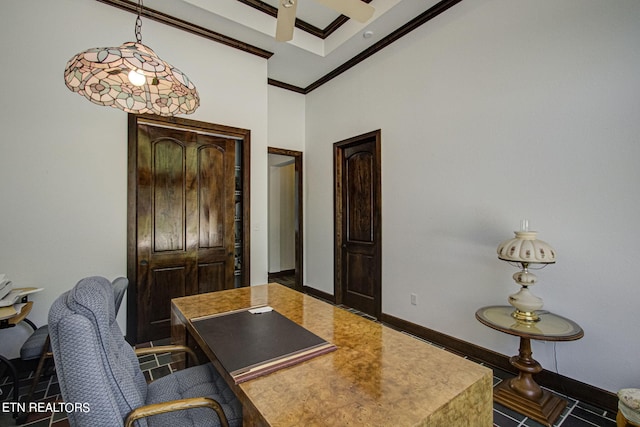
(526,249)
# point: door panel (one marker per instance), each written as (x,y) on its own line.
(168,283)
(360,278)
(358,223)
(359,196)
(168,182)
(211,180)
(210,276)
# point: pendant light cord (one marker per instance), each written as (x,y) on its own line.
(138,28)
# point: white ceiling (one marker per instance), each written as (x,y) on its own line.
(306,58)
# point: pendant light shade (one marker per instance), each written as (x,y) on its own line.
(102,76)
(132,78)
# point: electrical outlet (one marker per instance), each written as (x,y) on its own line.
(414,299)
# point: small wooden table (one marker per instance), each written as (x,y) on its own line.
(9,318)
(376,377)
(523,394)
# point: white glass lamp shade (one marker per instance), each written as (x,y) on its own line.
(526,248)
(102,76)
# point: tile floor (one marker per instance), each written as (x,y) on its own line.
(288,281)
(577,414)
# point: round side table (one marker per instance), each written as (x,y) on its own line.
(522,393)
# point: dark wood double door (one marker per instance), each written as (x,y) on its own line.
(182,220)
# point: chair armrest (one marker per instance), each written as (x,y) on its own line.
(168,349)
(176,405)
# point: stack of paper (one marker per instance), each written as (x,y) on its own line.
(5,286)
(16,294)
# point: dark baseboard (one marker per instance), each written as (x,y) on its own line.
(319,294)
(578,390)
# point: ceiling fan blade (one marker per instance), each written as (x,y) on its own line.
(354,9)
(286,19)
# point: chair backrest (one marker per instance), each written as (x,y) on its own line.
(119,288)
(96,368)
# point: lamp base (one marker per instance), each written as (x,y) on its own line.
(526,305)
(525,316)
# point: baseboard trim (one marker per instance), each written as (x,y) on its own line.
(579,390)
(319,294)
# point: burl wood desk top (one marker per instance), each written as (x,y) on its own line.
(377,377)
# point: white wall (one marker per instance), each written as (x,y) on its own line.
(495,111)
(286,119)
(63,160)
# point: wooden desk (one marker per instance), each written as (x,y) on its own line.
(376,377)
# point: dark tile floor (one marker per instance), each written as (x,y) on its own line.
(288,281)
(576,414)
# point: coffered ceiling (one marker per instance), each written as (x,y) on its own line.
(324,44)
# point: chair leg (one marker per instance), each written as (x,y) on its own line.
(14,376)
(46,354)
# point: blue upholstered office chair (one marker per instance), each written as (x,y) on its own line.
(37,345)
(98,369)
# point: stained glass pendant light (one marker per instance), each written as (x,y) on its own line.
(132,78)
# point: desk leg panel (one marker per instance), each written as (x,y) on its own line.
(471,408)
(178,333)
(251,417)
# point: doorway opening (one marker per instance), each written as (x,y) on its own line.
(285,217)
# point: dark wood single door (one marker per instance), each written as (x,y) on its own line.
(358,223)
(185,221)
